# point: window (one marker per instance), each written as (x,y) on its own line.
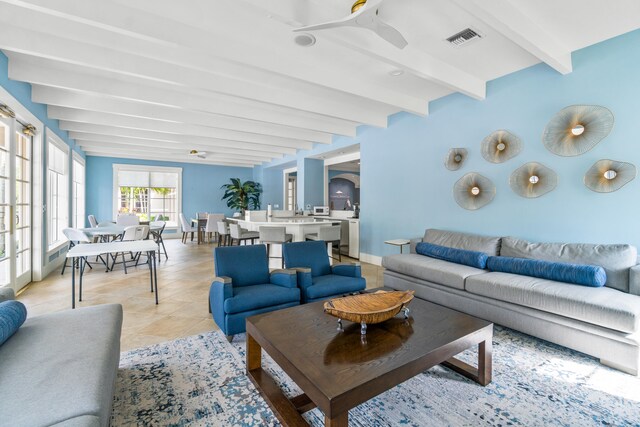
(290,202)
(57,191)
(78,189)
(152,193)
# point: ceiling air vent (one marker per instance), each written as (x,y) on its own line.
(463,37)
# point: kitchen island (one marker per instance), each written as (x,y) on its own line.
(298,227)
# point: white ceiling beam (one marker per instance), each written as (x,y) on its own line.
(174,137)
(187,145)
(177,78)
(165,119)
(21,69)
(505,18)
(408,59)
(171,159)
(142,144)
(147,32)
(174,154)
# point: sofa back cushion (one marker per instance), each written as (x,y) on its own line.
(577,274)
(616,259)
(470,242)
(458,256)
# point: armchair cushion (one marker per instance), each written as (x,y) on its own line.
(332,284)
(253,297)
(350,270)
(245,265)
(312,254)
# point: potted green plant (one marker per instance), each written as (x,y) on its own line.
(242,195)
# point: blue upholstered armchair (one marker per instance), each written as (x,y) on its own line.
(245,287)
(316,278)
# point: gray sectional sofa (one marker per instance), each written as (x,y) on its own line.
(60,369)
(602,322)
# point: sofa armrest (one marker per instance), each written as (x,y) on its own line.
(6,294)
(634,280)
(347,269)
(413,243)
(285,278)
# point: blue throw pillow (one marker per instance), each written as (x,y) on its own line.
(459,256)
(12,316)
(577,274)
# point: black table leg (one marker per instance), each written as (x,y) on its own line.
(155,274)
(150,271)
(73,283)
(82,264)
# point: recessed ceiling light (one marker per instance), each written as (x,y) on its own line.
(304,39)
(396,73)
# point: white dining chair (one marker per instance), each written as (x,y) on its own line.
(92,221)
(131,233)
(127,220)
(223,233)
(211,226)
(156,228)
(186,228)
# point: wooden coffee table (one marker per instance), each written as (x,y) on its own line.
(339,370)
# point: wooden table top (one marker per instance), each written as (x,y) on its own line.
(331,366)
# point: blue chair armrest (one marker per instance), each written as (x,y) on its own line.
(285,278)
(221,289)
(304,277)
(349,270)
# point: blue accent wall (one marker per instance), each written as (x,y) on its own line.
(200,185)
(405,187)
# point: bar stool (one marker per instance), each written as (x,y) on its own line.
(330,234)
(274,235)
(239,234)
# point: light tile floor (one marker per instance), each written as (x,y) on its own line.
(183,281)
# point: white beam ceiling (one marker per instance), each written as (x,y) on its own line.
(155,79)
(508,20)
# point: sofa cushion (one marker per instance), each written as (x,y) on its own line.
(430,269)
(471,242)
(12,316)
(333,284)
(61,366)
(615,259)
(577,274)
(457,256)
(604,307)
(253,297)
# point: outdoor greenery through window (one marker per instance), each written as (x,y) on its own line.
(152,196)
(58,199)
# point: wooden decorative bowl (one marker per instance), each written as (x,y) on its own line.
(369,308)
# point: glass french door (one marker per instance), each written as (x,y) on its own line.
(15,205)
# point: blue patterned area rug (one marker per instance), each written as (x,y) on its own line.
(200,381)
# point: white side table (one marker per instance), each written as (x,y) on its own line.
(398,242)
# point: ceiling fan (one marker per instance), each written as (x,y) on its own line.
(364,14)
(199,154)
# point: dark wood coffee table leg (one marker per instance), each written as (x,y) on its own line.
(481,374)
(287,411)
(341,420)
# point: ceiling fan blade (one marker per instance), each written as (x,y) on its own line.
(390,34)
(333,24)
